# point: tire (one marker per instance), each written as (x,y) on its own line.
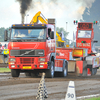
(84,72)
(85,66)
(65,71)
(50,72)
(27,73)
(94,71)
(15,72)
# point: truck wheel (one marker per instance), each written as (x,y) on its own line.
(94,71)
(84,72)
(85,66)
(50,72)
(27,74)
(15,72)
(65,71)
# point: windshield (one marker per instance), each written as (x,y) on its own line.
(84,34)
(28,34)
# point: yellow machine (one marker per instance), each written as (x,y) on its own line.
(39,17)
(59,41)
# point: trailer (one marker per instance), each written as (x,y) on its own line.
(82,59)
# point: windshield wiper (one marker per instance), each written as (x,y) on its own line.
(18,37)
(31,37)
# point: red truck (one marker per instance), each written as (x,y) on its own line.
(85,39)
(82,58)
(32,50)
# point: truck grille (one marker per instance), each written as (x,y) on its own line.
(26,60)
(27,53)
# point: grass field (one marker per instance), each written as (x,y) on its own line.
(95,98)
(2,70)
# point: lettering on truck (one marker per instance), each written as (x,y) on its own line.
(83,44)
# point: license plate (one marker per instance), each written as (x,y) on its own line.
(27,67)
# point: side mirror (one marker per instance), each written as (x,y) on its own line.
(5,35)
(52,35)
(95,41)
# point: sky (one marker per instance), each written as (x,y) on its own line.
(64,11)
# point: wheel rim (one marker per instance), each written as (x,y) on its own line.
(65,71)
(93,71)
(52,70)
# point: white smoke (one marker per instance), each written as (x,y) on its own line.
(63,11)
(86,3)
(54,10)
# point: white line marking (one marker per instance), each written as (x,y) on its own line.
(3,74)
(88,96)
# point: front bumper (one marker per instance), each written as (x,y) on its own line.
(28,63)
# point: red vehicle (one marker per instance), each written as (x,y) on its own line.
(81,59)
(32,50)
(85,39)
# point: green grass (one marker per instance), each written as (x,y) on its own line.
(94,98)
(2,70)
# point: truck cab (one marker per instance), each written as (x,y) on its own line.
(31,47)
(84,36)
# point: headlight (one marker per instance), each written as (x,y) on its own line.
(11,63)
(13,66)
(12,59)
(40,53)
(41,59)
(41,65)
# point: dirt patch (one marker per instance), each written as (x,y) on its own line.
(25,88)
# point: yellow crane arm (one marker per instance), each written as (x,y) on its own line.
(39,17)
(58,37)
